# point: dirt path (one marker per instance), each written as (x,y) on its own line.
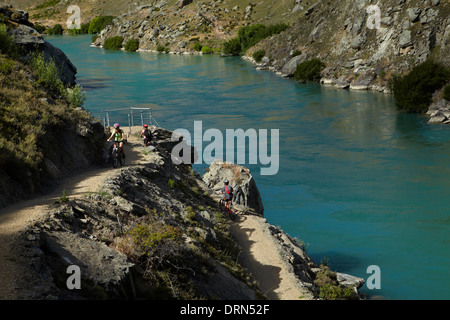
(261,257)
(17,217)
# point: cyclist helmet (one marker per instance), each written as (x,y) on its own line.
(145,125)
(116,125)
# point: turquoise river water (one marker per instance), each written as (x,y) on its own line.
(359,182)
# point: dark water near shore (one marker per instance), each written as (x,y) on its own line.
(359,182)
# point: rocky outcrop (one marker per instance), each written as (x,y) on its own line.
(182,3)
(358,53)
(30,40)
(245,193)
(298,262)
(439,112)
(289,68)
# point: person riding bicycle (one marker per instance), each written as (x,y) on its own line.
(146,134)
(119,137)
(227,190)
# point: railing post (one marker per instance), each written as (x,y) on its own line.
(108,118)
(129,123)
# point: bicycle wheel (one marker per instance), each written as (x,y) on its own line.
(115,159)
(121,160)
(232,213)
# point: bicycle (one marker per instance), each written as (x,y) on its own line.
(232,213)
(117,156)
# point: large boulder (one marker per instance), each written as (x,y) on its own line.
(289,68)
(363,82)
(68,70)
(413,14)
(246,192)
(30,40)
(183,3)
(100,265)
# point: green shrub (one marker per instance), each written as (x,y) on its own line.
(48,3)
(251,35)
(95,37)
(197,46)
(206,50)
(113,43)
(446,95)
(296,53)
(85,28)
(337,292)
(6,65)
(99,23)
(7,44)
(161,48)
(76,96)
(248,36)
(82,30)
(3,19)
(47,73)
(132,45)
(329,287)
(64,197)
(309,71)
(233,47)
(147,238)
(39,28)
(57,29)
(413,92)
(258,55)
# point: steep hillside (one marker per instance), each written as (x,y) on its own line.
(355,55)
(358,50)
(233,12)
(45,135)
(359,47)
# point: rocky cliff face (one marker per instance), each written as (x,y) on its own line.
(359,51)
(361,45)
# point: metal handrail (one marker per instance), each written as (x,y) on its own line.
(131,116)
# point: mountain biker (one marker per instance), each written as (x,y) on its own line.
(227,190)
(146,134)
(119,137)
